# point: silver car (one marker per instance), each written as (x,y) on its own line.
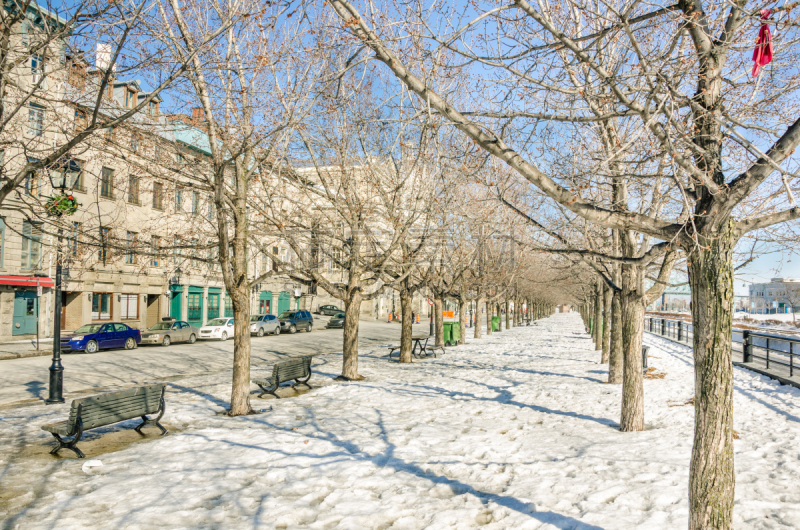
(167,332)
(264,325)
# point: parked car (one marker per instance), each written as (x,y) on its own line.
(328,310)
(167,332)
(265,324)
(93,337)
(291,321)
(336,322)
(218,328)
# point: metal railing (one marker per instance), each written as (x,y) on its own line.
(771,352)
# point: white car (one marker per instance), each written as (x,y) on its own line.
(219,328)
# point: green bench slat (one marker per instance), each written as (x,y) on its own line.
(285,371)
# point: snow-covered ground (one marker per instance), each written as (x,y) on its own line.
(517,430)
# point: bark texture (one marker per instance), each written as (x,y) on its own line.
(240,384)
(478,318)
(607,323)
(711,475)
(438,320)
(615,358)
(597,328)
(632,416)
(352,309)
(406,326)
(489,315)
(462,318)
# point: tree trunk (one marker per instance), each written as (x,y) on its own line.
(438,322)
(508,315)
(352,308)
(240,385)
(406,329)
(462,318)
(632,418)
(607,296)
(478,317)
(597,329)
(711,475)
(489,315)
(615,358)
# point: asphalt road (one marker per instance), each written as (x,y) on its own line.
(27,379)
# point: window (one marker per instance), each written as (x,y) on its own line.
(213,305)
(73,240)
(152,109)
(194,307)
(107,183)
(178,198)
(195,202)
(155,250)
(37,70)
(178,245)
(69,173)
(136,141)
(81,120)
(110,134)
(275,258)
(158,196)
(130,255)
(105,235)
(31,183)
(158,153)
(130,98)
(101,306)
(129,306)
(133,190)
(31,245)
(178,158)
(35,120)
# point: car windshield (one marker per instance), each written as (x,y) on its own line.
(338,315)
(287,314)
(217,322)
(88,328)
(161,326)
(255,318)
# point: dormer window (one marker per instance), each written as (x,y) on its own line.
(152,109)
(130,98)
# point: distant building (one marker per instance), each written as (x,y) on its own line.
(780,295)
(677,298)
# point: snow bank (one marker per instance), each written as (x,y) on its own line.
(517,430)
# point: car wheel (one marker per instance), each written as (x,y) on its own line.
(166,341)
(91,346)
(130,343)
(309,328)
(224,336)
(260,332)
(292,329)
(277,330)
(192,338)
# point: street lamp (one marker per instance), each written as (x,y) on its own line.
(58,205)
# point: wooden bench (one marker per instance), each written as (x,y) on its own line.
(433,349)
(106,409)
(285,371)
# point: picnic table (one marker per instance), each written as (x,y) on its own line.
(419,346)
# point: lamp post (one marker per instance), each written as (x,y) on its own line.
(57,206)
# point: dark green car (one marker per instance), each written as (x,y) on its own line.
(328,310)
(336,322)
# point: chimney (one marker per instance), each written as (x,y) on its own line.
(198,115)
(102,57)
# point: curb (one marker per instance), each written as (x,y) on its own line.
(21,355)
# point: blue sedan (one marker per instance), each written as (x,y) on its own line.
(93,337)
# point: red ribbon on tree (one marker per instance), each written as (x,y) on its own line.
(762,55)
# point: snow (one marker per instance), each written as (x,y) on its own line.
(515,430)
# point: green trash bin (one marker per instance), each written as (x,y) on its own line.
(448,333)
(495,323)
(455,333)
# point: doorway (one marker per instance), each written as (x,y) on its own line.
(26,313)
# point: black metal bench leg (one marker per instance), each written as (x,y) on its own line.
(268,391)
(155,421)
(303,382)
(71,445)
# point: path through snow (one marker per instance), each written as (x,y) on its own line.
(516,430)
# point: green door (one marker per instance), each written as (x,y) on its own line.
(213,302)
(284,301)
(194,307)
(264,303)
(228,306)
(26,310)
(175,303)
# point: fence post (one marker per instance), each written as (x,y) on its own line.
(747,346)
(663,326)
(651,324)
(680,330)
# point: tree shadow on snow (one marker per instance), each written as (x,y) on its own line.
(387,459)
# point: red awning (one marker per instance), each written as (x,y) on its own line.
(27,281)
